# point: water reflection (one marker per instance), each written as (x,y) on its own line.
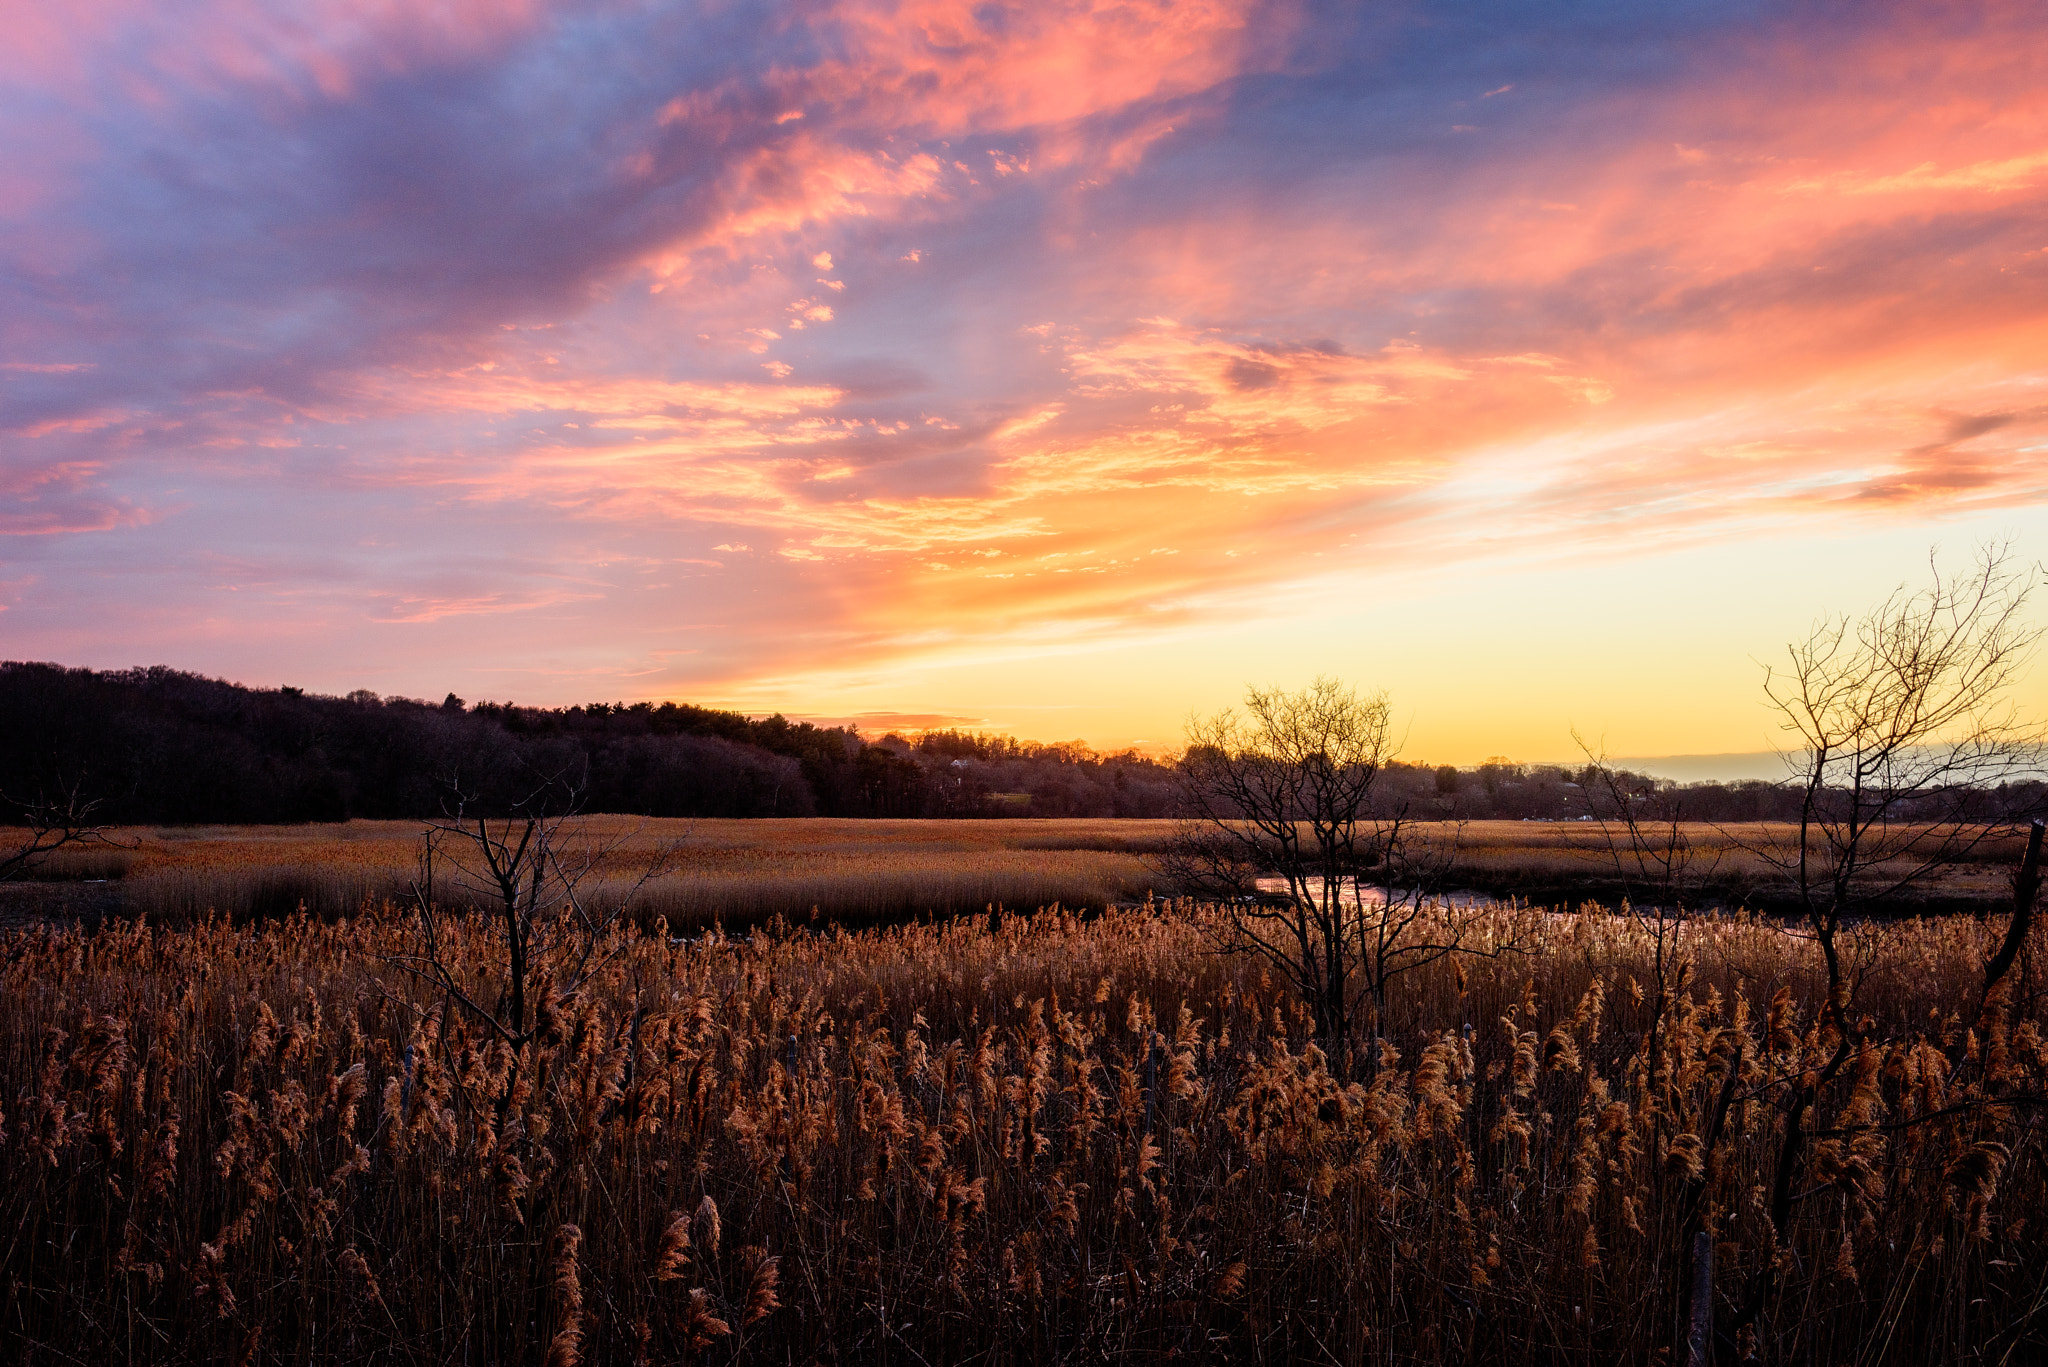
(1375,894)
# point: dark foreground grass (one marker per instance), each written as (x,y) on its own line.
(1064,1141)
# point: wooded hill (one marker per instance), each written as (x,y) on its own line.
(158,745)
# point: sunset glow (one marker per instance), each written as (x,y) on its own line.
(1056,368)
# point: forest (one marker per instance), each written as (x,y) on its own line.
(161,746)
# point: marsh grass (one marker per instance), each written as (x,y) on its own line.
(90,863)
(1563,862)
(743,873)
(856,896)
(1064,1141)
(733,873)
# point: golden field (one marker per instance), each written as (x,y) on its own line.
(1063,1141)
(734,872)
(742,873)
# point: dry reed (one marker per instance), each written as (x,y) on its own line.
(1064,1140)
(745,873)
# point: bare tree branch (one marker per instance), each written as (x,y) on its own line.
(52,823)
(528,872)
(1905,744)
(1283,793)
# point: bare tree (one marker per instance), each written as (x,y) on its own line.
(50,823)
(1282,793)
(1903,732)
(1644,838)
(1906,745)
(530,873)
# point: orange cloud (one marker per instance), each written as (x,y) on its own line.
(948,66)
(890,333)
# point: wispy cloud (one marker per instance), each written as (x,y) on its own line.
(723,341)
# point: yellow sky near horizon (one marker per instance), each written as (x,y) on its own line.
(1056,369)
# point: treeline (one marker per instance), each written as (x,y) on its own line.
(1502,790)
(158,745)
(974,774)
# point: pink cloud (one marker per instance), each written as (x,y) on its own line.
(962,317)
(61,500)
(946,67)
(329,45)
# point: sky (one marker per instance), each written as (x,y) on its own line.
(1056,368)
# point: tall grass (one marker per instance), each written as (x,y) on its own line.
(733,873)
(867,896)
(1058,1141)
(742,873)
